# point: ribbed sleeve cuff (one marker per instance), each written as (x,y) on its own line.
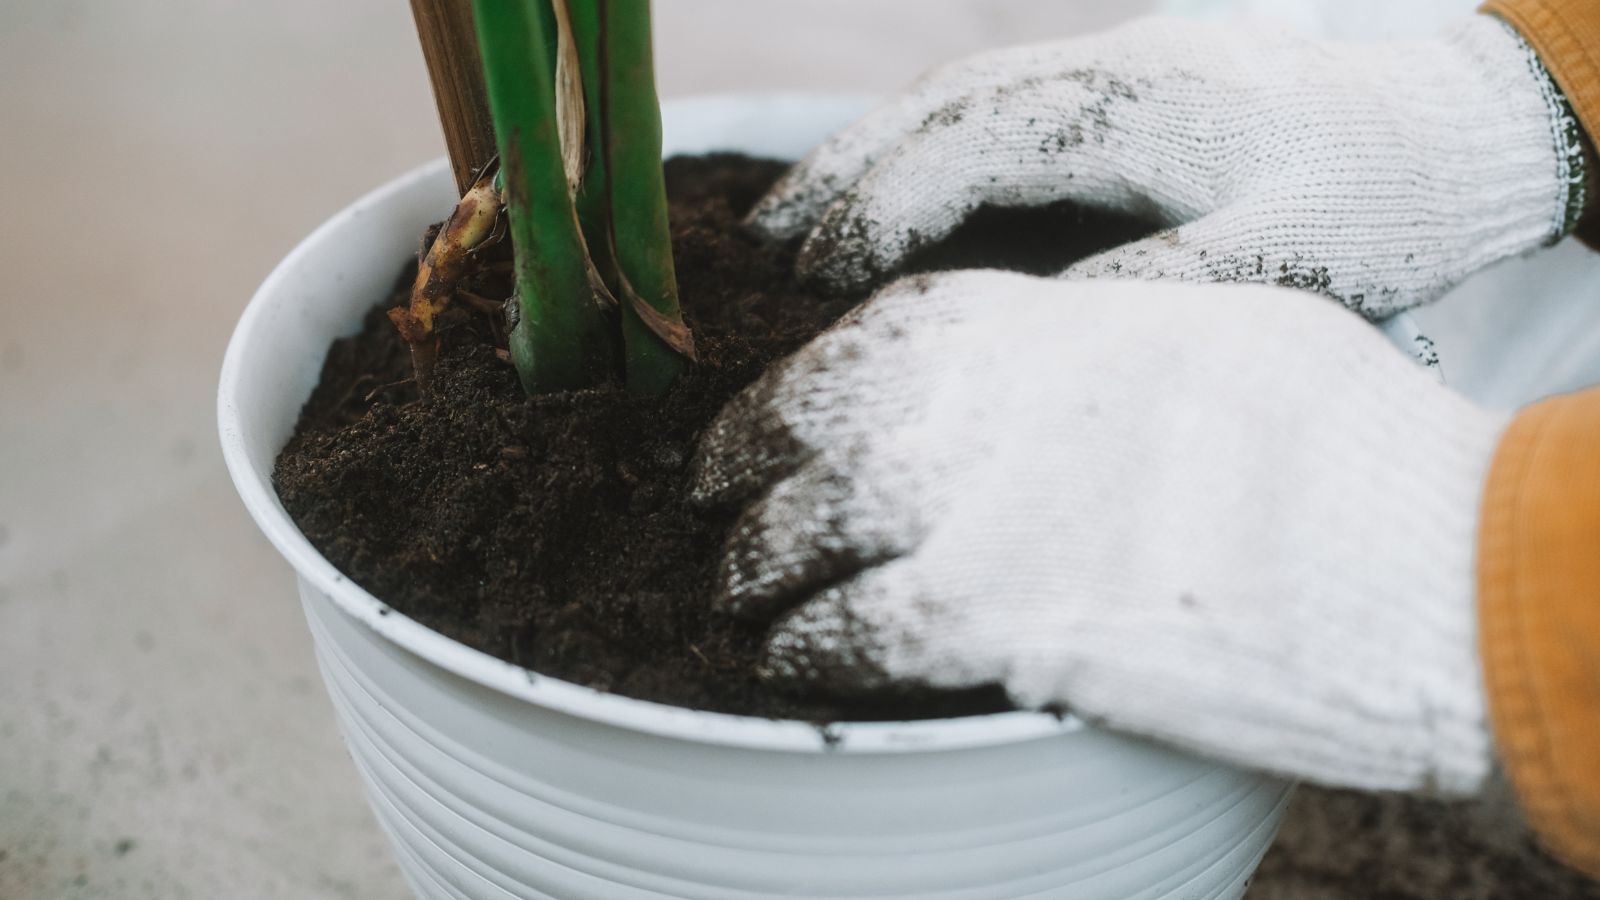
(1566,35)
(1539,618)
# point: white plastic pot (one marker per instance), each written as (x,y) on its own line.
(495,782)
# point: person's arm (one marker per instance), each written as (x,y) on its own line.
(1539,618)
(1539,543)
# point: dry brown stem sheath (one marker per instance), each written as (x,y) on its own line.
(450,48)
(570,110)
(440,271)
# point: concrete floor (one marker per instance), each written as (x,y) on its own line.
(162,730)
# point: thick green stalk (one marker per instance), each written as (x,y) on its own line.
(656,345)
(559,341)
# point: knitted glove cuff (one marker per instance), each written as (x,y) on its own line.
(1567,132)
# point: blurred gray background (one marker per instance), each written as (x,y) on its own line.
(163,733)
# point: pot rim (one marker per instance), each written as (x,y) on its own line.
(517,681)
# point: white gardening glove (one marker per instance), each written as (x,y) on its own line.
(1379,175)
(1230,517)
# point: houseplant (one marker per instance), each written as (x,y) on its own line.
(494,780)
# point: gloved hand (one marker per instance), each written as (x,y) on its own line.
(1233,518)
(1379,175)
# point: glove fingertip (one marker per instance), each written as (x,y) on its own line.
(712,473)
(798,200)
(820,647)
(842,255)
(708,483)
(787,212)
(738,445)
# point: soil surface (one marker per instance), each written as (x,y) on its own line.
(554,531)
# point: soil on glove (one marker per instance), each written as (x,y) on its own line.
(554,531)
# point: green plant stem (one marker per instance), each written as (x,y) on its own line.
(656,345)
(559,341)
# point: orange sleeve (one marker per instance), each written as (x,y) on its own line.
(1539,618)
(1566,35)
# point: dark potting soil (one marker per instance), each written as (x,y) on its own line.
(554,531)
